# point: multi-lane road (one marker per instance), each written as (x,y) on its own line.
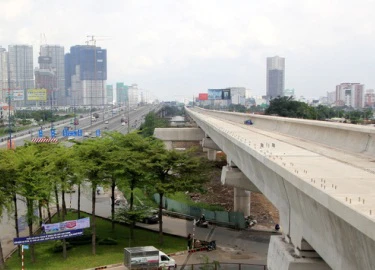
(135,116)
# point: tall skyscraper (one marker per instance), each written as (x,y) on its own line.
(121,93)
(350,94)
(86,75)
(21,67)
(133,95)
(3,73)
(51,73)
(275,77)
(109,93)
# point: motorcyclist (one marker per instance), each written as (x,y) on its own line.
(202,219)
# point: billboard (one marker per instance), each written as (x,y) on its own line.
(203,96)
(66,225)
(37,94)
(18,95)
(226,94)
(215,93)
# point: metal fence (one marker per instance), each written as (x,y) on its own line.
(222,266)
(235,219)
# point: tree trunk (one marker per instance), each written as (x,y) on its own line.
(40,213)
(132,224)
(113,203)
(63,219)
(57,202)
(161,218)
(30,213)
(49,213)
(63,203)
(79,201)
(93,225)
(2,262)
(16,220)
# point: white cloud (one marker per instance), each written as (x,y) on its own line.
(173,45)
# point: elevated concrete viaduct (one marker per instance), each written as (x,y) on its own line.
(320,176)
(230,176)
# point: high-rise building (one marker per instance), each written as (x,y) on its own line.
(275,77)
(370,98)
(21,67)
(133,95)
(109,93)
(350,94)
(121,93)
(238,95)
(52,71)
(86,75)
(3,73)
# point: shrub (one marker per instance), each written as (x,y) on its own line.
(58,246)
(108,242)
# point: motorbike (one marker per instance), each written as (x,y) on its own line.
(250,221)
(201,223)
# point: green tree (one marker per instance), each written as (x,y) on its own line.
(92,167)
(152,121)
(129,162)
(172,171)
(33,181)
(7,172)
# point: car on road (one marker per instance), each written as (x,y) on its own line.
(122,123)
(150,217)
(71,138)
(106,122)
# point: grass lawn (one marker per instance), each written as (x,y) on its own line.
(80,257)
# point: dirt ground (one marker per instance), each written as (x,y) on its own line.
(261,208)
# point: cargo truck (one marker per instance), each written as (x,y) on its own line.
(147,257)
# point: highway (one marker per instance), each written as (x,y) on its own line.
(136,115)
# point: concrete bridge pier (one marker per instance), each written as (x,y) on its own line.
(211,154)
(282,255)
(232,176)
(210,147)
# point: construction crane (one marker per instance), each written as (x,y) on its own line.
(91,39)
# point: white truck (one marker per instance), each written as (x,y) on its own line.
(147,257)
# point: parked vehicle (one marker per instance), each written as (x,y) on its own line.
(147,257)
(248,122)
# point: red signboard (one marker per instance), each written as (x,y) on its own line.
(203,96)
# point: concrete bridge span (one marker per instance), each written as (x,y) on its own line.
(320,176)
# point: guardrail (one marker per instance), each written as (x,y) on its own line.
(222,266)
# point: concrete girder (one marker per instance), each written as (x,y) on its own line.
(179,134)
(233,176)
(209,143)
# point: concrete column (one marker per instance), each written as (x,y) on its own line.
(242,201)
(168,145)
(281,256)
(211,154)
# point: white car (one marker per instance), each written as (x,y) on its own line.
(106,122)
(123,124)
(71,138)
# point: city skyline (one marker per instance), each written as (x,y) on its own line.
(184,48)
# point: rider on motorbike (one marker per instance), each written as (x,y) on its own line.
(202,219)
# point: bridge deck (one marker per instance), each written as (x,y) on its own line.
(347,177)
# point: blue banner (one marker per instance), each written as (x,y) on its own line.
(47,237)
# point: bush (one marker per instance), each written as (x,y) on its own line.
(58,246)
(108,242)
(84,239)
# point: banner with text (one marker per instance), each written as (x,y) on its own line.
(66,225)
(47,237)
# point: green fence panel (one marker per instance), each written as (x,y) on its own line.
(209,215)
(238,219)
(235,218)
(222,216)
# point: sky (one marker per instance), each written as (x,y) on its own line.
(175,49)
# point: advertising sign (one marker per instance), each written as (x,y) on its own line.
(203,96)
(67,225)
(215,94)
(18,95)
(47,237)
(37,94)
(226,94)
